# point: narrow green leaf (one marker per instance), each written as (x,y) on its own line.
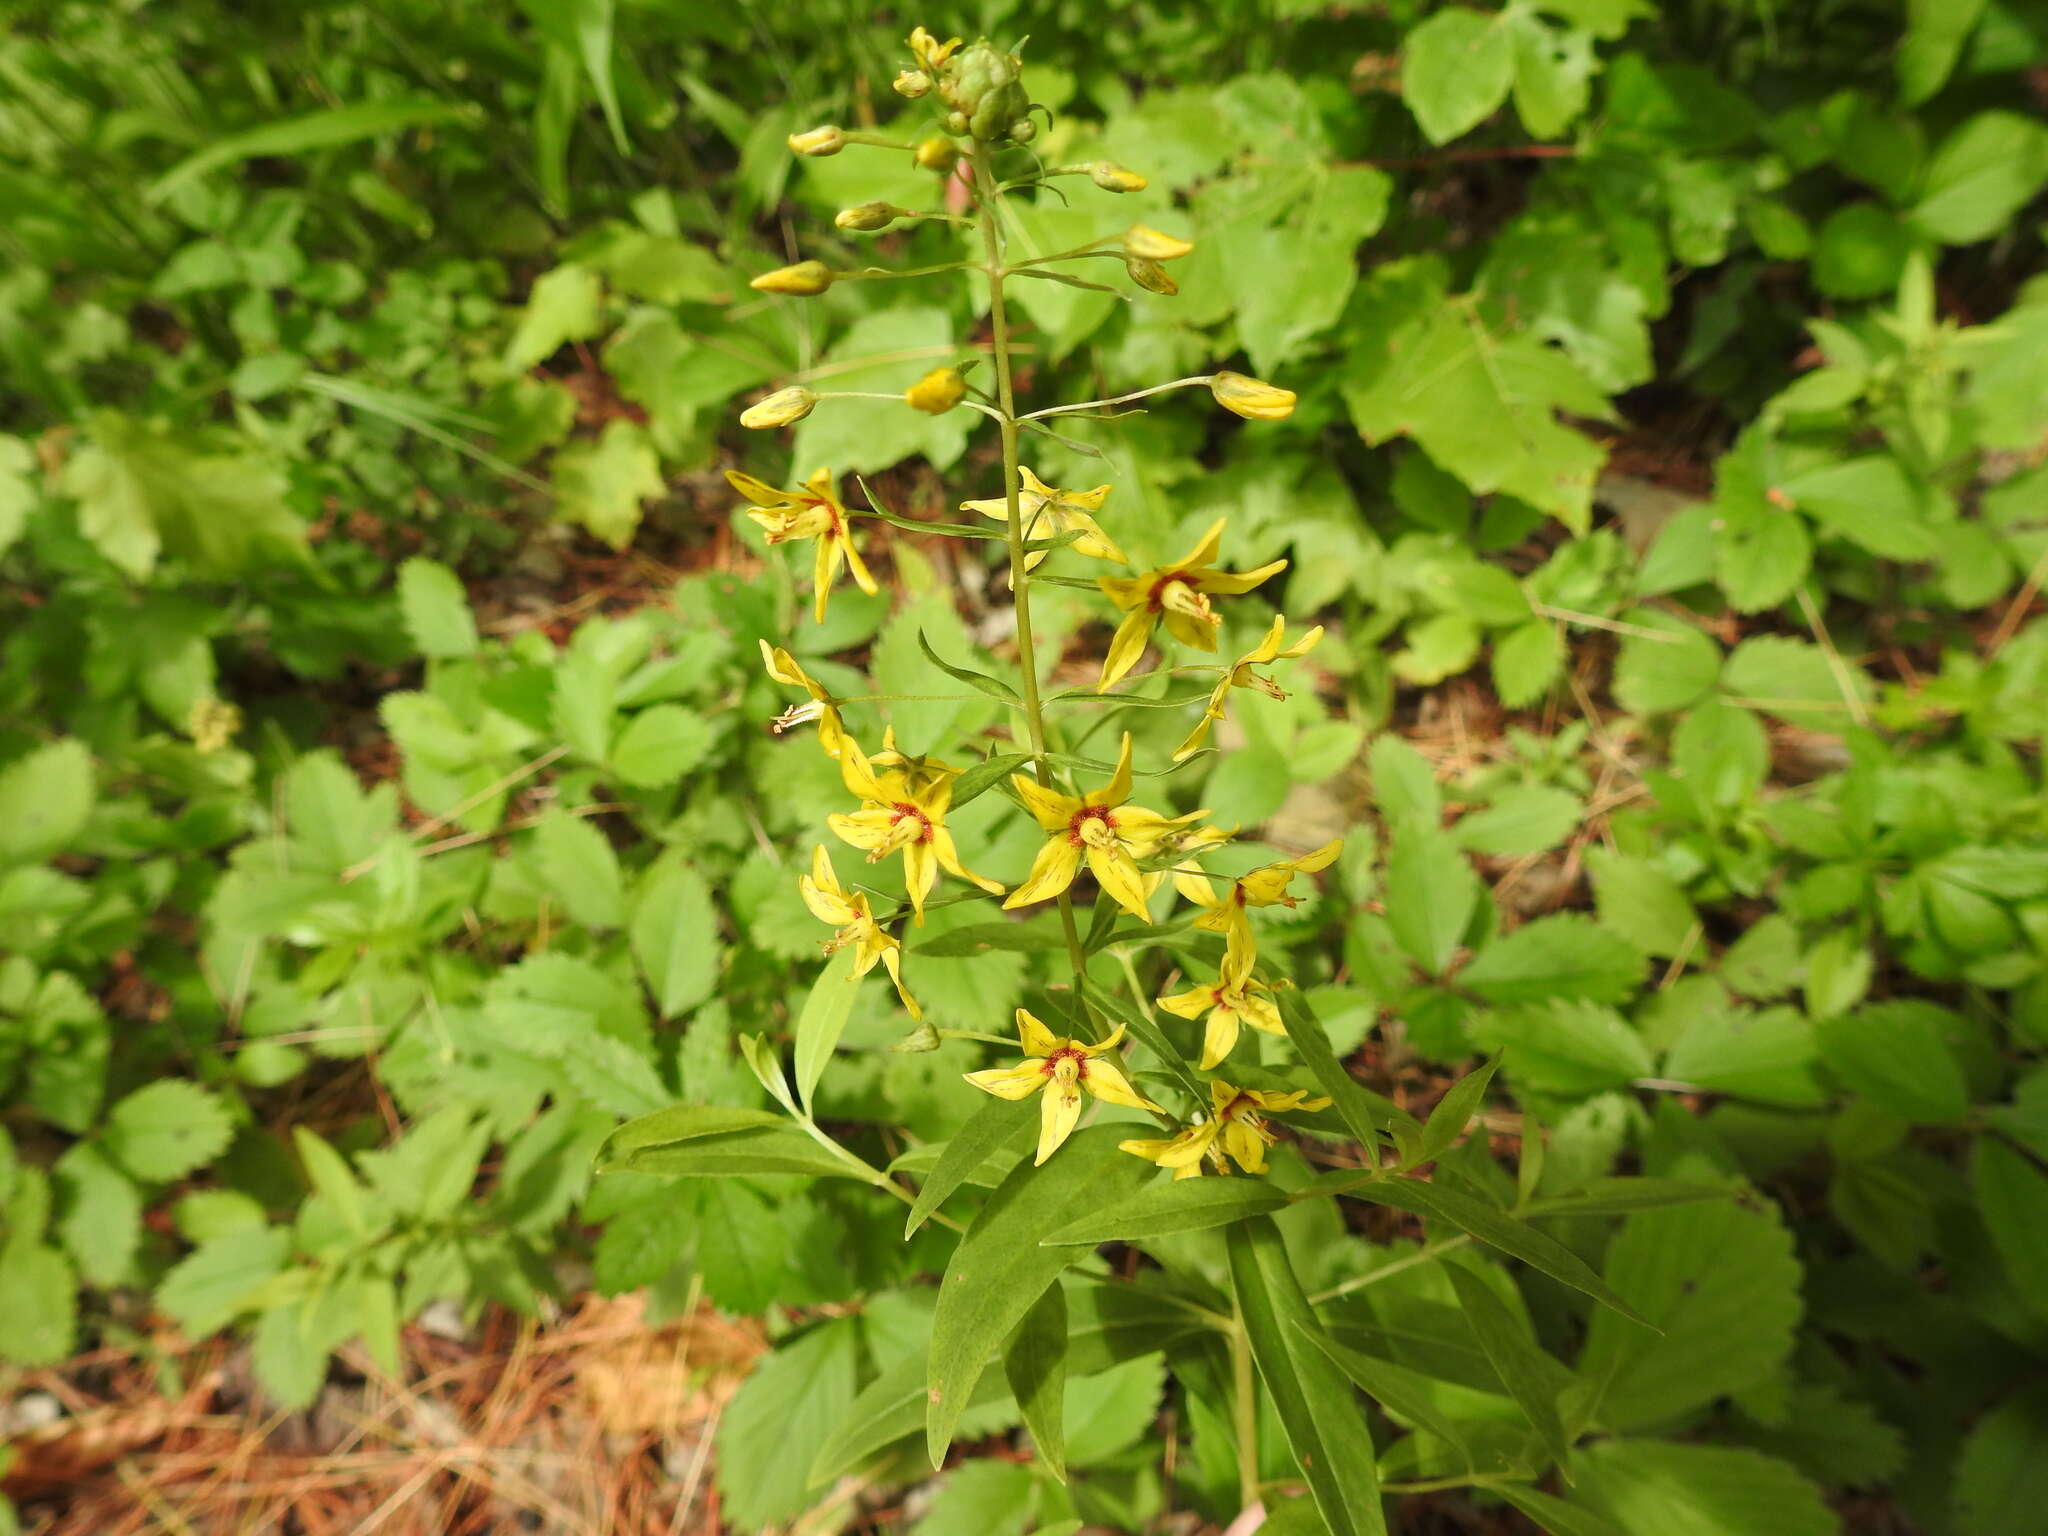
(999,1270)
(978,938)
(987,773)
(1499,1230)
(681,1122)
(1035,1365)
(1532,1378)
(1555,1515)
(1618,1197)
(1148,1034)
(1409,1394)
(823,1020)
(1324,1427)
(996,1124)
(736,1154)
(297,135)
(1179,1205)
(1313,1043)
(1453,1112)
(994,687)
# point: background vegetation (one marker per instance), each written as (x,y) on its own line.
(387,809)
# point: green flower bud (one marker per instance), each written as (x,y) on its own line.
(985,90)
(819,142)
(1151,276)
(805,280)
(781,409)
(867,217)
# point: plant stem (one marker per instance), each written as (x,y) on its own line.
(1020,580)
(1245,1413)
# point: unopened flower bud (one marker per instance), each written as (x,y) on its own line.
(780,409)
(1253,399)
(1150,276)
(867,216)
(922,1038)
(937,392)
(938,156)
(956,122)
(827,140)
(912,83)
(805,280)
(1143,241)
(1114,178)
(1023,131)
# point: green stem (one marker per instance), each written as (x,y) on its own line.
(1422,1255)
(1020,580)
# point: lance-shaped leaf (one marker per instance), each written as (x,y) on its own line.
(995,1124)
(1532,1378)
(994,687)
(986,774)
(999,1270)
(1312,1041)
(1447,1122)
(1409,1394)
(818,1028)
(1170,1206)
(1035,1365)
(1325,1427)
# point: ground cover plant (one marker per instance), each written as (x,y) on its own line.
(1472,574)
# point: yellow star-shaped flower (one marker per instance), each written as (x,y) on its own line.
(1048,511)
(823,708)
(815,512)
(1099,827)
(1241,675)
(1176,595)
(1235,1126)
(1224,910)
(1062,1068)
(1227,1004)
(830,902)
(903,808)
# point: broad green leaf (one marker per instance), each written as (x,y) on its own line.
(1658,1488)
(1721,1282)
(1496,1229)
(314,130)
(1872,503)
(885,352)
(679,1123)
(661,744)
(581,870)
(1404,785)
(2002,1478)
(999,1270)
(1526,819)
(101,1220)
(1641,902)
(675,937)
(1565,1047)
(436,608)
(1325,1428)
(602,484)
(1935,33)
(827,1007)
(1526,661)
(1795,681)
(2012,1193)
(164,1131)
(795,1402)
(1169,1206)
(48,795)
(1896,1055)
(38,1303)
(1981,176)
(1455,71)
(1566,956)
(1532,1378)
(1431,895)
(1035,1366)
(1658,675)
(615,1076)
(566,304)
(1768,1056)
(1764,962)
(217,1280)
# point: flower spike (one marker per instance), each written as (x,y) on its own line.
(1227,1005)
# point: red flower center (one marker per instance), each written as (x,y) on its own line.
(902,809)
(1156,598)
(1071,1053)
(1077,829)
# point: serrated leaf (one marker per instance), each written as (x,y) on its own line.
(1431,895)
(1456,69)
(1324,1427)
(602,484)
(1721,1283)
(1520,821)
(214,1282)
(675,938)
(101,1220)
(1566,956)
(48,795)
(164,1131)
(436,609)
(661,744)
(581,870)
(2002,1478)
(1896,1055)
(1657,1488)
(1564,1047)
(1768,1056)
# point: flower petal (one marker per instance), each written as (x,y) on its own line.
(1218,1037)
(866,830)
(1117,873)
(1052,810)
(1191,1004)
(1051,872)
(1018,1082)
(892,957)
(1125,647)
(948,854)
(1229,583)
(1059,1112)
(1106,1080)
(1032,1033)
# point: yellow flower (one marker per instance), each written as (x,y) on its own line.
(1234,1122)
(1149,244)
(830,903)
(815,512)
(1266,886)
(1062,1068)
(930,52)
(937,392)
(1177,594)
(805,280)
(1114,178)
(1253,399)
(826,140)
(1241,675)
(781,409)
(1111,835)
(1228,1004)
(903,807)
(823,708)
(1049,511)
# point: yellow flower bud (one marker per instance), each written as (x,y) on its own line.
(805,280)
(867,217)
(912,83)
(930,52)
(827,140)
(1150,276)
(938,155)
(937,392)
(1149,244)
(780,409)
(1253,399)
(1114,178)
